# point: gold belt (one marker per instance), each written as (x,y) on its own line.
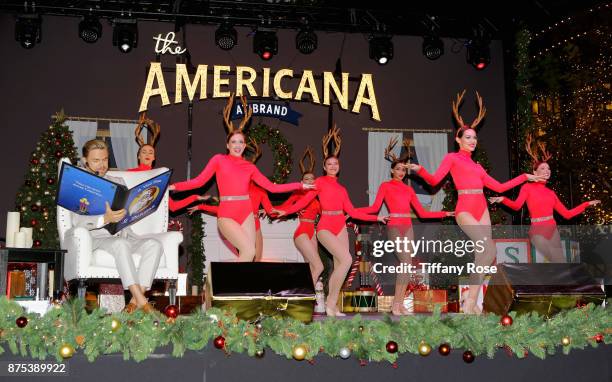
(399,215)
(307,220)
(542,219)
(233,198)
(469,191)
(332,212)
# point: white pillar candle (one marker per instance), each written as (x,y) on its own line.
(12,226)
(20,239)
(28,234)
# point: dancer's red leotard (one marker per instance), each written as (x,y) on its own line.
(541,202)
(307,216)
(468,175)
(234,175)
(333,198)
(173,205)
(259,197)
(398,196)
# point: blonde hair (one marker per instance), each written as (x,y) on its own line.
(93,144)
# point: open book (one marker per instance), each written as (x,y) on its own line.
(86,194)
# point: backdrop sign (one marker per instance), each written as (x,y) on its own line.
(244,80)
(268,109)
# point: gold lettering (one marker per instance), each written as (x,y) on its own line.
(155,73)
(218,82)
(182,76)
(240,81)
(307,85)
(277,83)
(366,85)
(266,82)
(330,81)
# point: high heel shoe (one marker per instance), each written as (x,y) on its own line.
(398,309)
(130,308)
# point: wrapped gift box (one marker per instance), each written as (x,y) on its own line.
(111,297)
(268,289)
(426,300)
(358,301)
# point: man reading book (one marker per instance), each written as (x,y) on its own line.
(125,243)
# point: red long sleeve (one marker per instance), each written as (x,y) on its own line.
(375,207)
(354,212)
(568,214)
(494,185)
(440,173)
(302,202)
(290,201)
(175,205)
(204,176)
(420,211)
(265,183)
(518,203)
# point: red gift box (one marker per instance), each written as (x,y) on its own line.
(426,300)
(111,289)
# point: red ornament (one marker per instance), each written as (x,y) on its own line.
(21,321)
(219,342)
(392,347)
(580,304)
(57,142)
(34,207)
(34,161)
(506,320)
(468,356)
(599,338)
(33,222)
(59,154)
(50,181)
(171,311)
(444,349)
(37,243)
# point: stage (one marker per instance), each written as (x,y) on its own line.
(211,365)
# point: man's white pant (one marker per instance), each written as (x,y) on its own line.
(123,249)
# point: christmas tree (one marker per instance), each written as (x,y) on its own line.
(36,198)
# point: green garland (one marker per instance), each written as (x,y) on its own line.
(197,256)
(281,149)
(138,335)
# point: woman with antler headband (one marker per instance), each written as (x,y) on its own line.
(234,175)
(541,202)
(331,229)
(400,198)
(146,159)
(304,236)
(258,196)
(470,178)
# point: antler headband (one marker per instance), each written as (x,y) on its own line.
(253,147)
(545,155)
(146,123)
(310,154)
(390,155)
(482,111)
(333,134)
(227,112)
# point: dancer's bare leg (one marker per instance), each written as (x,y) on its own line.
(402,279)
(308,248)
(337,246)
(477,230)
(240,236)
(258,245)
(550,249)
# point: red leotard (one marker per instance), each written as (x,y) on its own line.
(468,175)
(333,197)
(310,212)
(173,205)
(259,197)
(234,175)
(398,196)
(541,202)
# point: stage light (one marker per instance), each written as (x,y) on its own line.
(90,29)
(433,47)
(125,34)
(28,30)
(381,49)
(265,44)
(478,51)
(226,36)
(306,40)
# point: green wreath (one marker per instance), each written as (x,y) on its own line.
(282,150)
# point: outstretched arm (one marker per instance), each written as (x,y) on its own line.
(290,201)
(440,173)
(175,205)
(265,183)
(568,214)
(202,178)
(265,202)
(518,203)
(422,212)
(494,185)
(354,212)
(300,204)
(374,208)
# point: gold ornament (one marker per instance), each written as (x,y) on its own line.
(115,324)
(565,341)
(66,351)
(424,349)
(299,352)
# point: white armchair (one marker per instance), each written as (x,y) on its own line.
(81,263)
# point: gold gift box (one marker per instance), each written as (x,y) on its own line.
(358,301)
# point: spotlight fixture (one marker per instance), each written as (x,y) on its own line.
(90,29)
(306,40)
(125,34)
(381,49)
(226,36)
(265,44)
(478,51)
(433,47)
(27,30)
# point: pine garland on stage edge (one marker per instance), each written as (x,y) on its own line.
(67,329)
